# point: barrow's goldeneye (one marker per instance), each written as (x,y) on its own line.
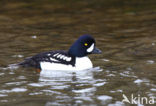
(73,59)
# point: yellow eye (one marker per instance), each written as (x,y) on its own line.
(86,44)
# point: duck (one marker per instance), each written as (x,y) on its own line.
(76,58)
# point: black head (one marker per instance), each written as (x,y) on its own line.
(83,46)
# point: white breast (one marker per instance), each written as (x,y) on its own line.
(83,63)
(80,64)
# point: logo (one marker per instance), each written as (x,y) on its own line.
(138,99)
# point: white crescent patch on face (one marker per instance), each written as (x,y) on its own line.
(90,49)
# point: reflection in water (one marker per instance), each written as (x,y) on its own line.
(81,83)
(57,78)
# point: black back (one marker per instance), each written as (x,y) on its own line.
(34,61)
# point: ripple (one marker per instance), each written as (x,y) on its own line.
(16,83)
(60,87)
(36,84)
(14,90)
(84,98)
(153,89)
(21,77)
(100,84)
(34,36)
(105,99)
(150,61)
(111,75)
(117,103)
(10,67)
(19,56)
(36,93)
(2,74)
(85,90)
(127,74)
(106,60)
(139,81)
(79,101)
(52,104)
(3,100)
(51,92)
(153,44)
(116,91)
(18,90)
(2,95)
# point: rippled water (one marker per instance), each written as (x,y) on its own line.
(124,31)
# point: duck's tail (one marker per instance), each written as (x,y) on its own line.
(28,62)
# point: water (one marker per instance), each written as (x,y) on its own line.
(124,31)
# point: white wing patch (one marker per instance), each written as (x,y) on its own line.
(52,59)
(56,54)
(90,49)
(68,59)
(48,54)
(64,58)
(60,56)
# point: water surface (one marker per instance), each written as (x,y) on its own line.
(124,31)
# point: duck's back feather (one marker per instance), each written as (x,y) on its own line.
(61,57)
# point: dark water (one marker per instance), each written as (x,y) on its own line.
(124,31)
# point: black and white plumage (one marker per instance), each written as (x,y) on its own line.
(73,59)
(59,57)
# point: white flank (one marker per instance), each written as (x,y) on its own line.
(90,49)
(81,64)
